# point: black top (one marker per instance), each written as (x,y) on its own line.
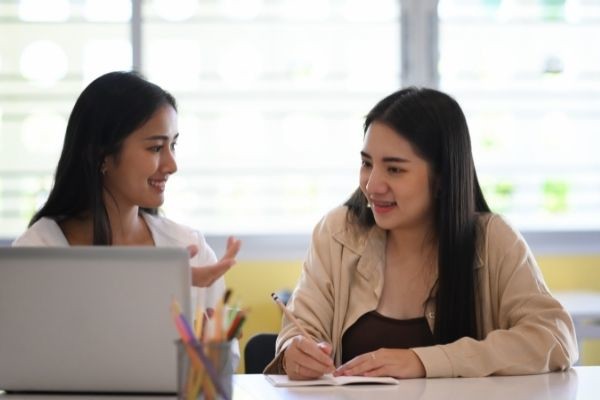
(374,331)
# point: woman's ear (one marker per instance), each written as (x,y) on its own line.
(108,161)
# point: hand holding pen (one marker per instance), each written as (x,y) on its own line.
(304,358)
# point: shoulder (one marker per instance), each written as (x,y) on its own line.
(334,221)
(337,226)
(170,233)
(44,232)
(166,224)
(172,230)
(499,241)
(495,228)
(166,232)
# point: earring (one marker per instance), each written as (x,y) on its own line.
(103,169)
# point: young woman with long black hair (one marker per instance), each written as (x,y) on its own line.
(117,156)
(414,276)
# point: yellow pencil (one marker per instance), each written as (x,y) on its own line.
(291,317)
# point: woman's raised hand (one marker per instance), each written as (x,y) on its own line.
(204,276)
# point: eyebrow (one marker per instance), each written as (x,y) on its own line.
(161,137)
(385,159)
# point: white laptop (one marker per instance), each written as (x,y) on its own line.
(90,319)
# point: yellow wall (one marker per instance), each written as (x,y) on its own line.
(253,282)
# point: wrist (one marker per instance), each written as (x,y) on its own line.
(419,368)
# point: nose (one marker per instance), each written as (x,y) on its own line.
(168,164)
(376,183)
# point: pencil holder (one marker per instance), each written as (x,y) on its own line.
(204,371)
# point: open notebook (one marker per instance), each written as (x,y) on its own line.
(330,380)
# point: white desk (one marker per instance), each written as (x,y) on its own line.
(579,383)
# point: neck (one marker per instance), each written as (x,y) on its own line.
(418,241)
(126,224)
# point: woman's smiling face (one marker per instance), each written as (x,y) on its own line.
(395,180)
(137,175)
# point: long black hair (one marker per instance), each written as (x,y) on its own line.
(436,127)
(107,111)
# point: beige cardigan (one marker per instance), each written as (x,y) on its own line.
(524,329)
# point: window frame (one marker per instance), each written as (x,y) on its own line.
(419,57)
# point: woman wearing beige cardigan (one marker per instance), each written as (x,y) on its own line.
(414,276)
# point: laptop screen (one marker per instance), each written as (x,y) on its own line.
(90,319)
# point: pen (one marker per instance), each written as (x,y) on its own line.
(290,316)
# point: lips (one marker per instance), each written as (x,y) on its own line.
(382,206)
(158,184)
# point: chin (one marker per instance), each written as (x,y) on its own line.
(386,224)
(383,224)
(152,204)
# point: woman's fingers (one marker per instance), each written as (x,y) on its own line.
(206,275)
(233,247)
(315,351)
(399,363)
(305,359)
(325,348)
(360,364)
(301,366)
(301,372)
